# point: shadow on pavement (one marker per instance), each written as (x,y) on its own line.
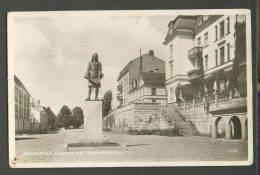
(137,145)
(24,138)
(40,132)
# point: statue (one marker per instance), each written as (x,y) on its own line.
(94,75)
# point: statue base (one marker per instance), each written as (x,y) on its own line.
(92,132)
(92,135)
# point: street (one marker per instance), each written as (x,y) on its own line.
(145,148)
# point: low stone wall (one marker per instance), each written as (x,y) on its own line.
(195,112)
(198,116)
(136,116)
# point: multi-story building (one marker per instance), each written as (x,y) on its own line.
(179,40)
(22,107)
(206,70)
(201,53)
(141,94)
(142,80)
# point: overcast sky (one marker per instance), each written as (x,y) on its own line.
(51,52)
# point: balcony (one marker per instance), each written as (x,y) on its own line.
(195,73)
(195,52)
(229,105)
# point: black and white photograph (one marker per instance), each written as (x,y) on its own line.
(130,88)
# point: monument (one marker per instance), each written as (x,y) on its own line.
(92,135)
(93,108)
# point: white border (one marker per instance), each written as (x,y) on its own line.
(11,108)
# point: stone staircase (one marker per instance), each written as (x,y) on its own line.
(186,127)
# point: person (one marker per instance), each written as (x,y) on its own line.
(94,75)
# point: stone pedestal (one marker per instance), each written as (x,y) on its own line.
(92,136)
(92,132)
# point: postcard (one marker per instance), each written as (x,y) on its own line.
(130,88)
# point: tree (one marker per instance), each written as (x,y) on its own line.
(64,117)
(77,117)
(107,99)
(51,118)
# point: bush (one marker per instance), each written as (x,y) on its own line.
(163,132)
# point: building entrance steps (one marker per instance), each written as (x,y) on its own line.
(186,127)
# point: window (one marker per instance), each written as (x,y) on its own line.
(222,29)
(154,100)
(196,63)
(171,51)
(24,101)
(16,90)
(216,57)
(171,69)
(135,83)
(199,41)
(222,55)
(200,20)
(16,110)
(153,91)
(228,51)
(171,93)
(216,33)
(228,25)
(206,39)
(206,61)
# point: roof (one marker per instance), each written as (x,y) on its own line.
(181,24)
(184,21)
(142,64)
(205,24)
(20,84)
(153,79)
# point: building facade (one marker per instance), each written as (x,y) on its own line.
(179,39)
(141,94)
(22,107)
(206,73)
(205,48)
(142,80)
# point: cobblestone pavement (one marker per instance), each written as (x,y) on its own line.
(52,148)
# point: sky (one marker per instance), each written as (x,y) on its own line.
(50,52)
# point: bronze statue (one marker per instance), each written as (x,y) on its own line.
(94,75)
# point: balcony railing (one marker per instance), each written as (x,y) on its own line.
(195,52)
(195,73)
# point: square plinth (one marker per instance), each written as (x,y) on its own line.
(92,132)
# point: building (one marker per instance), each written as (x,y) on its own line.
(179,39)
(22,107)
(141,93)
(39,117)
(205,46)
(142,80)
(206,65)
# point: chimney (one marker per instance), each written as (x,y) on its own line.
(151,52)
